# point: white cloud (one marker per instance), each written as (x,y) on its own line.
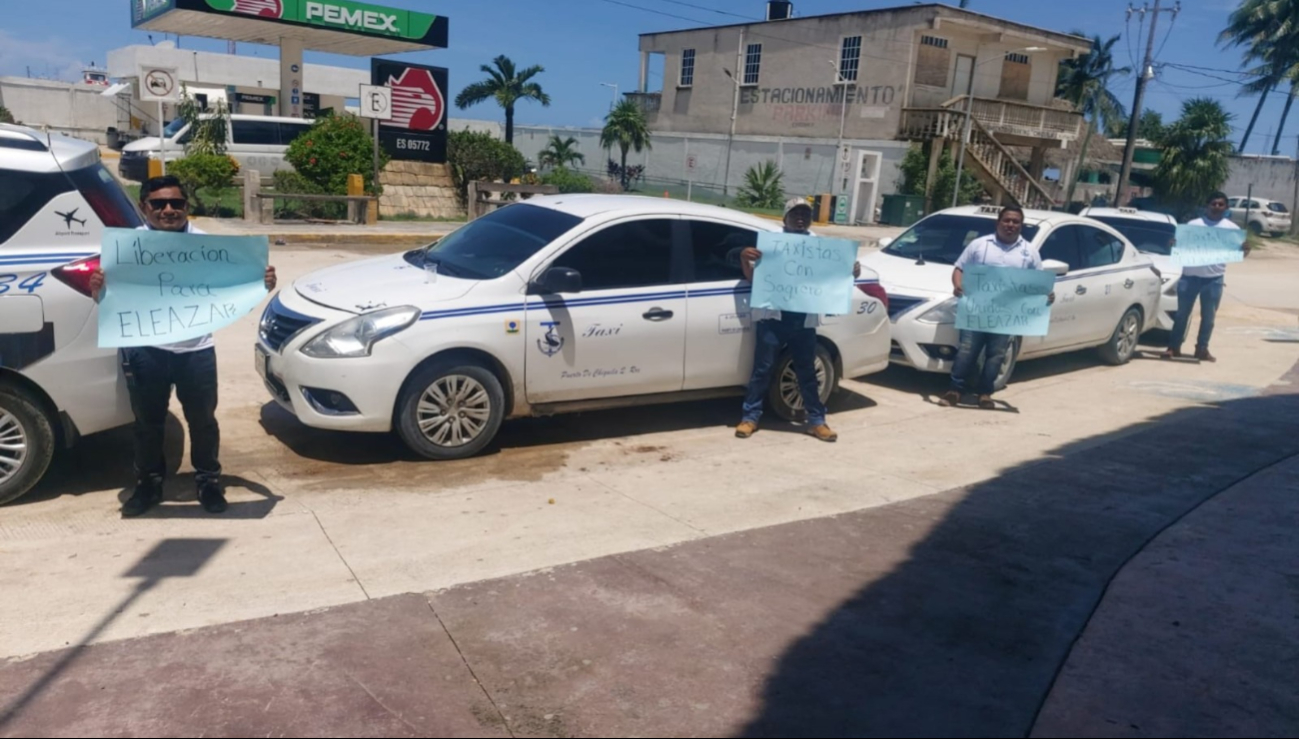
(46,57)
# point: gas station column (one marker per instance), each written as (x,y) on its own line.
(291,77)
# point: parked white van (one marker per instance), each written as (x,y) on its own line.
(254,141)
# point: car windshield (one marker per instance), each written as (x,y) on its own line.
(1277,208)
(495,244)
(1150,237)
(174,127)
(942,238)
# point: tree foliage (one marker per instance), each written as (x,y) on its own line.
(1268,32)
(331,150)
(626,128)
(568,181)
(209,129)
(560,153)
(481,157)
(1085,81)
(507,86)
(764,187)
(914,172)
(1196,151)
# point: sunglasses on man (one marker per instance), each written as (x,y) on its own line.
(160,204)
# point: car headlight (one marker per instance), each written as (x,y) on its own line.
(944,312)
(355,336)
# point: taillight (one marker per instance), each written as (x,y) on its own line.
(76,275)
(875,290)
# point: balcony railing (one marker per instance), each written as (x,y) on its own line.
(649,102)
(1021,119)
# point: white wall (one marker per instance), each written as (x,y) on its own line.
(73,108)
(206,68)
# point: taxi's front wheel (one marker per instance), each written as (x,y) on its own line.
(450,410)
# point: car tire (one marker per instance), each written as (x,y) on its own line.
(26,443)
(1256,229)
(783,396)
(469,391)
(1122,344)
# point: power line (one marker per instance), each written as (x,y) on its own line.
(711,10)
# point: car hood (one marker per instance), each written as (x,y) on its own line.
(904,276)
(379,283)
(148,145)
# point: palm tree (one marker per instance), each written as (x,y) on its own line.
(506,86)
(560,153)
(1085,82)
(625,127)
(1268,30)
(1195,162)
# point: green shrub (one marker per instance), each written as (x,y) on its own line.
(335,147)
(207,175)
(481,157)
(763,187)
(6,116)
(914,171)
(568,181)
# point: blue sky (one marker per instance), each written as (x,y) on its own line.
(583,43)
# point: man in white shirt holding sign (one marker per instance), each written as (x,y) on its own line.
(1203,282)
(151,371)
(1003,248)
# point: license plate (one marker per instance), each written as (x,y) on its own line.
(261,361)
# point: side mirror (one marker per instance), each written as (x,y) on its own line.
(885,241)
(557,280)
(1055,266)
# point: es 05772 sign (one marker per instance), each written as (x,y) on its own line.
(416,129)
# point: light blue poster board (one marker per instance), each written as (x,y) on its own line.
(804,274)
(1198,246)
(162,287)
(1002,300)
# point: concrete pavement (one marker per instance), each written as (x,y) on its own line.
(1166,553)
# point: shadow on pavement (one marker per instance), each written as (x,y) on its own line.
(966,635)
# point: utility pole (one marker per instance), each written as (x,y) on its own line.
(1294,210)
(1146,73)
(736,78)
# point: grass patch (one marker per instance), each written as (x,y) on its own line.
(413,218)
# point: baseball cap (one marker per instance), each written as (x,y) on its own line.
(793,203)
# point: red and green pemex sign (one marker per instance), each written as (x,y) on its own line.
(335,15)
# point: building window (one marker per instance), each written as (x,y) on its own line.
(1016,73)
(752,64)
(933,62)
(849,59)
(687,67)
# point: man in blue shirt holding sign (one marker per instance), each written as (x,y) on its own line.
(775,329)
(1003,248)
(1205,283)
(151,371)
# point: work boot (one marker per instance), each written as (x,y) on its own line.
(949,399)
(147,494)
(1204,356)
(823,433)
(212,497)
(985,402)
(1171,354)
(746,429)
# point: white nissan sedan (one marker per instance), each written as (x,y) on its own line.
(560,303)
(1107,293)
(1154,235)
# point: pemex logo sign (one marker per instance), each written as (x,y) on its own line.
(259,8)
(417,103)
(417,130)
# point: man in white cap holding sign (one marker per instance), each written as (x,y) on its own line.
(774,330)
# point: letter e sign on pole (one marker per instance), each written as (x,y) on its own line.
(376,104)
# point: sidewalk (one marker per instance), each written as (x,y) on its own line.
(1135,584)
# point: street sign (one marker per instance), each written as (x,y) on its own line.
(691,161)
(376,102)
(159,85)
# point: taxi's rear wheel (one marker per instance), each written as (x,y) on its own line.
(1123,342)
(26,443)
(1007,365)
(450,410)
(784,397)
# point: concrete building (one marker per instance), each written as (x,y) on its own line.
(871,79)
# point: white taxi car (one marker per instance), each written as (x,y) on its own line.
(1154,235)
(1106,291)
(561,303)
(56,384)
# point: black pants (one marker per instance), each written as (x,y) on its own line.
(150,375)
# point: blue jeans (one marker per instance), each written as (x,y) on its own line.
(771,336)
(974,343)
(1209,291)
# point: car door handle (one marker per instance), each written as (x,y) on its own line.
(1128,284)
(657,314)
(1081,290)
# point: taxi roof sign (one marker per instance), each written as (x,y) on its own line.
(335,26)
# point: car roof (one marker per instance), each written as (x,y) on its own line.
(588,205)
(1254,197)
(29,150)
(1128,213)
(1032,216)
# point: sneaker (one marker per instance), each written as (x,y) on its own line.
(212,497)
(950,399)
(823,433)
(985,402)
(147,494)
(1204,356)
(746,429)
